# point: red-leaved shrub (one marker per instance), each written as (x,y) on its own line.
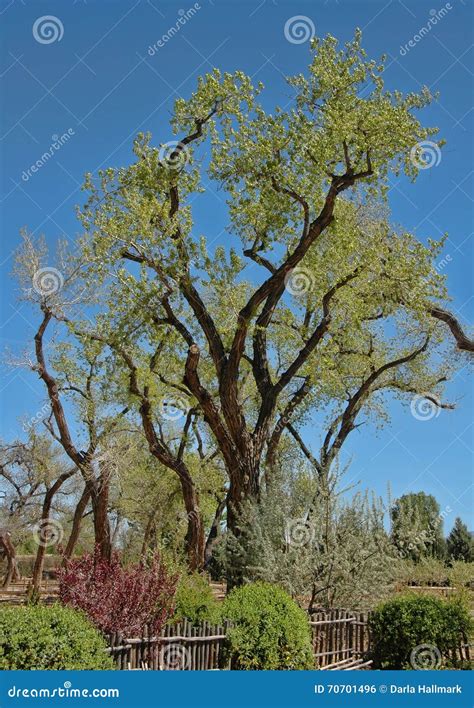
(116,598)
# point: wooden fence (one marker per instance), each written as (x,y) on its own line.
(181,647)
(338,636)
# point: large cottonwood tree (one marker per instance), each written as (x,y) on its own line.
(326,301)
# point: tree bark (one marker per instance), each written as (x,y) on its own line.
(46,509)
(8,551)
(148,536)
(214,532)
(77,522)
(100,509)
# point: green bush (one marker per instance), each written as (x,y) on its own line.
(194,601)
(54,637)
(416,631)
(269,630)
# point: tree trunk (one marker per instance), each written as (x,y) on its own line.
(194,539)
(100,508)
(77,522)
(150,535)
(7,550)
(214,532)
(43,541)
(244,485)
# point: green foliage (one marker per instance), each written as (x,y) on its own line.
(315,544)
(195,601)
(429,572)
(304,185)
(402,625)
(417,527)
(270,631)
(54,637)
(460,545)
(426,571)
(461,574)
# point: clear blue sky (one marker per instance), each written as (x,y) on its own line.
(99,80)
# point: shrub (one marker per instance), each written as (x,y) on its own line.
(53,637)
(461,575)
(118,599)
(195,601)
(427,571)
(416,631)
(270,631)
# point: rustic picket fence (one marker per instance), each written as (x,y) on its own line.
(340,639)
(339,636)
(181,647)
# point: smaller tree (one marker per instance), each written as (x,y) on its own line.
(321,546)
(117,599)
(460,545)
(417,526)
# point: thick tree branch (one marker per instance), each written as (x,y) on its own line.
(462,340)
